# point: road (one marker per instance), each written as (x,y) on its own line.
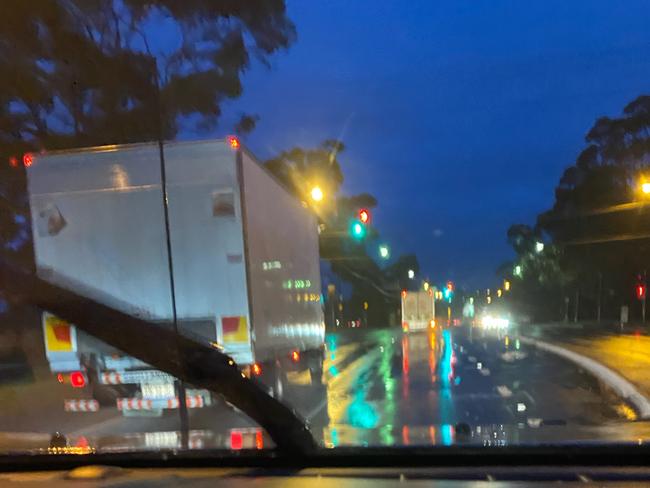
(454,385)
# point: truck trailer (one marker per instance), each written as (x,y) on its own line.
(196,235)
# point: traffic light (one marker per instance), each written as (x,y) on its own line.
(640,291)
(357,230)
(364,216)
(384,251)
(449,291)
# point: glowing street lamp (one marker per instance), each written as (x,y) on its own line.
(645,188)
(539,247)
(411,274)
(317,194)
(517,270)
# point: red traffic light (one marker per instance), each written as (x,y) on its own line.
(364,216)
(640,291)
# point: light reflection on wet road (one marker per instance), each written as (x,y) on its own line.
(381,387)
(459,384)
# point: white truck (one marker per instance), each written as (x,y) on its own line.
(418,310)
(244,260)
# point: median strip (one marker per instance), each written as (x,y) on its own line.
(615,381)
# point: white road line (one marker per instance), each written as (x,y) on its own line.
(529,396)
(615,381)
(504,391)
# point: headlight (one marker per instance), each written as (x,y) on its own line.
(489,322)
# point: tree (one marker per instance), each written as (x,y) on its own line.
(300,169)
(538,278)
(81,73)
(600,244)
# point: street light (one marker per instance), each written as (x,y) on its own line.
(645,188)
(316,194)
(384,252)
(517,270)
(426,286)
(411,274)
(539,246)
(506,285)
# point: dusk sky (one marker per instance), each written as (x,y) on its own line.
(458,116)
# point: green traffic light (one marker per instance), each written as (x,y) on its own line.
(357,230)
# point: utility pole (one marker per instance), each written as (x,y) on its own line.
(180,385)
(577,306)
(566,309)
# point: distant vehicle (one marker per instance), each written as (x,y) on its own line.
(244,255)
(418,310)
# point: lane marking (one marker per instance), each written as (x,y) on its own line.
(504,391)
(529,396)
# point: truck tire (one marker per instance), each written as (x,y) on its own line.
(316,372)
(278,379)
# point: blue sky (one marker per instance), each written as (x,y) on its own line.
(459,116)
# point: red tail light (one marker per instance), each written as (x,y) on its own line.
(60,378)
(77,379)
(234,142)
(295,356)
(259,439)
(28,160)
(236,440)
(405,326)
(256,369)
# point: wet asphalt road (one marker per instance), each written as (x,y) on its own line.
(381,387)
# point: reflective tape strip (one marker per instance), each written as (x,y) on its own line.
(111,378)
(81,405)
(195,443)
(194,401)
(134,404)
(135,377)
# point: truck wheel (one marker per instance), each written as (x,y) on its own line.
(278,386)
(316,373)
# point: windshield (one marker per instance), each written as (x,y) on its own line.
(411,224)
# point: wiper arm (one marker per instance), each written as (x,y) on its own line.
(185,358)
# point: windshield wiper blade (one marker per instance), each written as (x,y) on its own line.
(183,357)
